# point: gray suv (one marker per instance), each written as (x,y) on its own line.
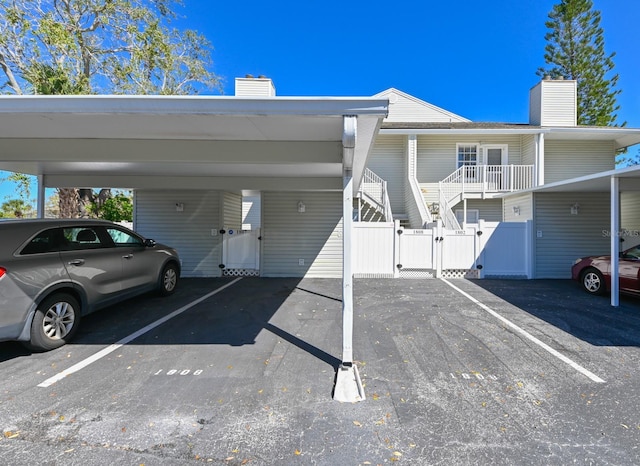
(54,271)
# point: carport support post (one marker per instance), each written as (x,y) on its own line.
(348,386)
(41,194)
(615,241)
(347,272)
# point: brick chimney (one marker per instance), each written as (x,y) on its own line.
(553,102)
(254,87)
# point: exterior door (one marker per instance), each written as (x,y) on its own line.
(495,160)
(241,251)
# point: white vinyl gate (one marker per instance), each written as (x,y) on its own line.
(241,252)
(486,249)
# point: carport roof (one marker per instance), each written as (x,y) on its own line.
(622,137)
(280,143)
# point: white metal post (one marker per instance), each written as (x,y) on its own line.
(348,386)
(41,195)
(396,248)
(540,159)
(615,241)
(438,248)
(347,268)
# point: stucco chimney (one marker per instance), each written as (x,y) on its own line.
(553,102)
(254,87)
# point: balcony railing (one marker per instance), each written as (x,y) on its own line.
(487,179)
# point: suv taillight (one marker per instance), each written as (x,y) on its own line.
(2,271)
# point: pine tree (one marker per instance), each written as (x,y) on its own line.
(575,50)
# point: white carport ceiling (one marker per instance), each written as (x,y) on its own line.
(284,143)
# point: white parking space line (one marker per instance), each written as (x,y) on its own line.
(110,349)
(527,335)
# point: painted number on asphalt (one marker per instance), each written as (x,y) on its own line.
(179,372)
(474,376)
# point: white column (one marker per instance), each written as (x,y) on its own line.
(348,154)
(41,197)
(540,159)
(615,241)
(347,270)
(348,386)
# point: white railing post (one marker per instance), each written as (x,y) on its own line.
(483,179)
(510,184)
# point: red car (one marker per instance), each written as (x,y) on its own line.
(594,273)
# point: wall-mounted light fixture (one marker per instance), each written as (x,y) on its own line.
(575,208)
(301,207)
(179,207)
(516,210)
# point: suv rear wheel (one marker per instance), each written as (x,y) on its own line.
(55,322)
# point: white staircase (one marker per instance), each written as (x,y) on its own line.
(371,203)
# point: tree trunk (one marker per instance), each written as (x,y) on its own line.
(85,199)
(68,201)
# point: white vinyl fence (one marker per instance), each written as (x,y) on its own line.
(483,250)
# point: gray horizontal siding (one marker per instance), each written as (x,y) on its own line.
(232,210)
(564,160)
(388,161)
(188,231)
(314,236)
(490,210)
(630,218)
(558,103)
(524,203)
(437,156)
(567,237)
(528,149)
(251,212)
(405,108)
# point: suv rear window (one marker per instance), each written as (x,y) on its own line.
(45,241)
(77,238)
(67,239)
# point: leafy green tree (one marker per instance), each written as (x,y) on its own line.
(16,208)
(99,47)
(118,208)
(575,50)
(625,159)
(23,183)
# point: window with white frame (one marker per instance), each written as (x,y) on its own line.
(467,154)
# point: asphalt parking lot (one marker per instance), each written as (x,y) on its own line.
(455,372)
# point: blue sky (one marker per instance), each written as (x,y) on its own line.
(476,59)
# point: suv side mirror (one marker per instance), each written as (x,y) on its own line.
(149,243)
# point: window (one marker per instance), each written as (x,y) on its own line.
(82,238)
(467,154)
(123,238)
(45,241)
